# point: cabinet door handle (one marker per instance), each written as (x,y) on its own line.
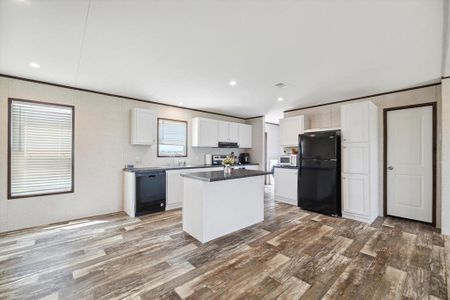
(390,168)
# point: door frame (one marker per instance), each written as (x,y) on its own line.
(434,151)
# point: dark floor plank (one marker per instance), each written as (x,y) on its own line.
(292,254)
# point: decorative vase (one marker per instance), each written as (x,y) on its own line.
(227,169)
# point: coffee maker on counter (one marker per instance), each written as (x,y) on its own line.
(244,158)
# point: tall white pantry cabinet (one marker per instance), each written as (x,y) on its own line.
(359,125)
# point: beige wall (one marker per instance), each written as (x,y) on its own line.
(102,149)
(257,151)
(329,116)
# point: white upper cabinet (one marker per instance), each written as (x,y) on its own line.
(223,131)
(208,133)
(233,132)
(290,128)
(228,132)
(354,122)
(245,136)
(143,126)
(205,132)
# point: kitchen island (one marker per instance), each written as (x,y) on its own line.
(216,203)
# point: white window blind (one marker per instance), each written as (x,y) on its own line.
(40,149)
(172,138)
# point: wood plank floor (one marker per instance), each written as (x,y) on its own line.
(292,254)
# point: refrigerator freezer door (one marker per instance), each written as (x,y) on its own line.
(319,145)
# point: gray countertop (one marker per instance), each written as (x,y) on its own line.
(168,168)
(286,167)
(212,176)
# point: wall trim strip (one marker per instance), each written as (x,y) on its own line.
(365,97)
(118,96)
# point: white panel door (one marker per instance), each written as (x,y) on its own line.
(355,158)
(355,194)
(354,122)
(410,163)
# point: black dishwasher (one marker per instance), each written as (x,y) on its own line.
(150,191)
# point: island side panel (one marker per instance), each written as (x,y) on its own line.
(129,193)
(193,208)
(231,205)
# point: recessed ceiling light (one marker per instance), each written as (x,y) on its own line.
(280,99)
(34,65)
(180,104)
(233,82)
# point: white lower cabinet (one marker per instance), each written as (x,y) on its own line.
(355,192)
(174,189)
(175,186)
(286,181)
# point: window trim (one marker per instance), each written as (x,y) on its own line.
(157,140)
(72,107)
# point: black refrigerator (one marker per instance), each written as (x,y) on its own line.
(319,172)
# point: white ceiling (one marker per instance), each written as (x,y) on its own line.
(187,51)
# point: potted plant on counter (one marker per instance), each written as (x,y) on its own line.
(228,162)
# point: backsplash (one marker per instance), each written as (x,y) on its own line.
(195,156)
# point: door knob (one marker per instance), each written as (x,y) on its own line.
(390,168)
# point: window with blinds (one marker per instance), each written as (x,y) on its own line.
(172,138)
(40,148)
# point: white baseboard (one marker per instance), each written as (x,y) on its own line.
(365,219)
(174,206)
(286,200)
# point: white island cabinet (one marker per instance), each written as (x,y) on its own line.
(216,204)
